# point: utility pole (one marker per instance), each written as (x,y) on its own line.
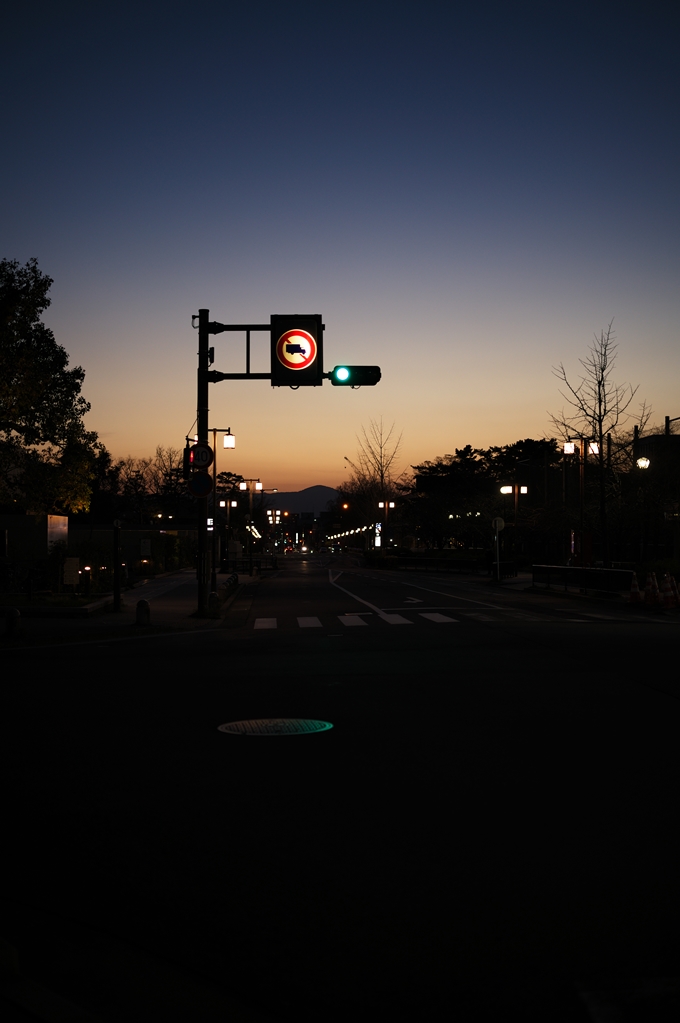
(202,568)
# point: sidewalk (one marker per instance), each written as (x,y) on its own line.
(172,600)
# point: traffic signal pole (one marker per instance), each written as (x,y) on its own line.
(296,351)
(202,568)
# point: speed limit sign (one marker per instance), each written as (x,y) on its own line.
(201,456)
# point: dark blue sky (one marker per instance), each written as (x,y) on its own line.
(466,193)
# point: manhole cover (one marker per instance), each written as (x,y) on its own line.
(275,726)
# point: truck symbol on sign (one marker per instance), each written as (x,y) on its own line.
(296,350)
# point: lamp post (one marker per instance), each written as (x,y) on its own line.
(384,505)
(246,485)
(586,446)
(515,489)
(229,442)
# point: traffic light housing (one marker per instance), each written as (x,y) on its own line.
(355,376)
(296,350)
(186,462)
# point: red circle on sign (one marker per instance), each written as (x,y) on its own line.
(296,349)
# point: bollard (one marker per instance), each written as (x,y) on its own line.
(213,605)
(143,613)
(13,619)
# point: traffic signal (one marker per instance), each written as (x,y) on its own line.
(186,462)
(296,350)
(355,376)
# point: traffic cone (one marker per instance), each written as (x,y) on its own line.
(635,597)
(649,599)
(666,592)
(674,587)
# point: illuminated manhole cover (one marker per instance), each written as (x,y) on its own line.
(275,726)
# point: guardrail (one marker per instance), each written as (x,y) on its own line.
(602,580)
(471,566)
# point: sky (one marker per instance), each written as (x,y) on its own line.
(466,193)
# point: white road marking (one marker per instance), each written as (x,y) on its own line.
(437,617)
(412,600)
(265,623)
(351,620)
(479,617)
(309,623)
(391,619)
(455,596)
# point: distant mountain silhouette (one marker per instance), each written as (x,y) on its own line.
(312,499)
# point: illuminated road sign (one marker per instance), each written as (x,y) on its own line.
(296,350)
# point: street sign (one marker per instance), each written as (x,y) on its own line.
(200,484)
(201,455)
(296,350)
(498,523)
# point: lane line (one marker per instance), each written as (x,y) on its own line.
(434,617)
(265,623)
(391,619)
(308,622)
(432,607)
(455,596)
(351,620)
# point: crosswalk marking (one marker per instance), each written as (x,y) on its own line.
(359,619)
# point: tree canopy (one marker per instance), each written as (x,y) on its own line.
(46,454)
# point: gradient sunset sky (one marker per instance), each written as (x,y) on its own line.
(465,192)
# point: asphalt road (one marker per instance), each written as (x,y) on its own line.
(491,820)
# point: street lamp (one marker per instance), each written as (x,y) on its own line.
(229,442)
(586,446)
(515,489)
(245,485)
(385,506)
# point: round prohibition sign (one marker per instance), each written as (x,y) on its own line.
(296,349)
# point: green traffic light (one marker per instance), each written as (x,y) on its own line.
(354,376)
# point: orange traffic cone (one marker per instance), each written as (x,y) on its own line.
(649,589)
(635,597)
(666,592)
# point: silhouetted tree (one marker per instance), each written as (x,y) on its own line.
(46,454)
(597,406)
(374,474)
